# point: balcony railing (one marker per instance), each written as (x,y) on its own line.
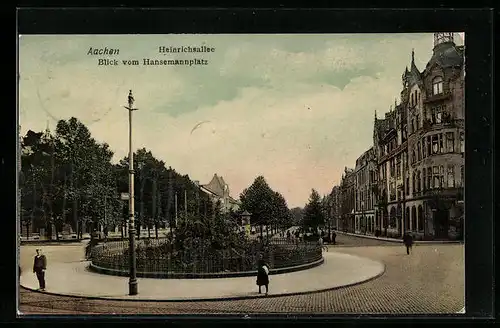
(438,97)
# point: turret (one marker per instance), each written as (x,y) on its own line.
(443,37)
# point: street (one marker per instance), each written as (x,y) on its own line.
(430,280)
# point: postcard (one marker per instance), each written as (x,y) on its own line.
(241,174)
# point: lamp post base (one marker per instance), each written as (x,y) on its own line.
(132,287)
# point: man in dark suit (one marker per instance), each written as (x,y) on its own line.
(39,267)
(408,241)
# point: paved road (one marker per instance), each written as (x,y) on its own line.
(431,280)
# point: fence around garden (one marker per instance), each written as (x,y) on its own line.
(157,258)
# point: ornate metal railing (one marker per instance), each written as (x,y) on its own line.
(160,257)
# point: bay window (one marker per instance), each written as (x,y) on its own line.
(437,85)
(450,142)
(451,176)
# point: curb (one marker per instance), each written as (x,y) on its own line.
(221,299)
(163,275)
(423,242)
(51,242)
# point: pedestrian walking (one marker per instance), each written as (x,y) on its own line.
(262,274)
(334,235)
(408,242)
(39,267)
(320,243)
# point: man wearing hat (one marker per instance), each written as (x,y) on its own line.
(39,267)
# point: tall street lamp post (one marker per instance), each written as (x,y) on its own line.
(132,284)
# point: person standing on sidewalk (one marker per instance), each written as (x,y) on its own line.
(334,236)
(262,274)
(408,241)
(39,267)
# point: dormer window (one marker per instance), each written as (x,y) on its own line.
(437,85)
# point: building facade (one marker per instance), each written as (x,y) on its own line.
(335,207)
(347,200)
(365,200)
(218,189)
(417,154)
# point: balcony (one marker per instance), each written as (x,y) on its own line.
(439,97)
(443,192)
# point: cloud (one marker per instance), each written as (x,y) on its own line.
(294,108)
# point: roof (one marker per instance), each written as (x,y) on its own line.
(216,185)
(447,55)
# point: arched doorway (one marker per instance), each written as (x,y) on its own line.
(421,226)
(392,218)
(413,218)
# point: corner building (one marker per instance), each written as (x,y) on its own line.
(420,149)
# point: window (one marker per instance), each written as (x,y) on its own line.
(461,176)
(413,176)
(437,85)
(441,176)
(437,114)
(398,166)
(429,148)
(413,157)
(424,181)
(435,177)
(429,178)
(435,144)
(413,126)
(407,185)
(417,120)
(450,142)
(392,167)
(451,176)
(419,151)
(419,181)
(462,145)
(441,143)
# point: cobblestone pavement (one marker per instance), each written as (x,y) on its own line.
(430,280)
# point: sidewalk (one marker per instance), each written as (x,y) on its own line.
(74,279)
(395,240)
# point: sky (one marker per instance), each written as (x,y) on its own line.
(296,109)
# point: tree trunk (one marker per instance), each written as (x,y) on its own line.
(141,221)
(34,206)
(154,208)
(75,200)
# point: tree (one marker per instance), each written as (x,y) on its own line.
(297,216)
(258,200)
(313,212)
(282,215)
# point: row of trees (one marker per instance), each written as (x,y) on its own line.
(69,178)
(315,214)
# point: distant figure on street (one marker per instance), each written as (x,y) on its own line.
(39,267)
(408,241)
(334,235)
(320,243)
(262,274)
